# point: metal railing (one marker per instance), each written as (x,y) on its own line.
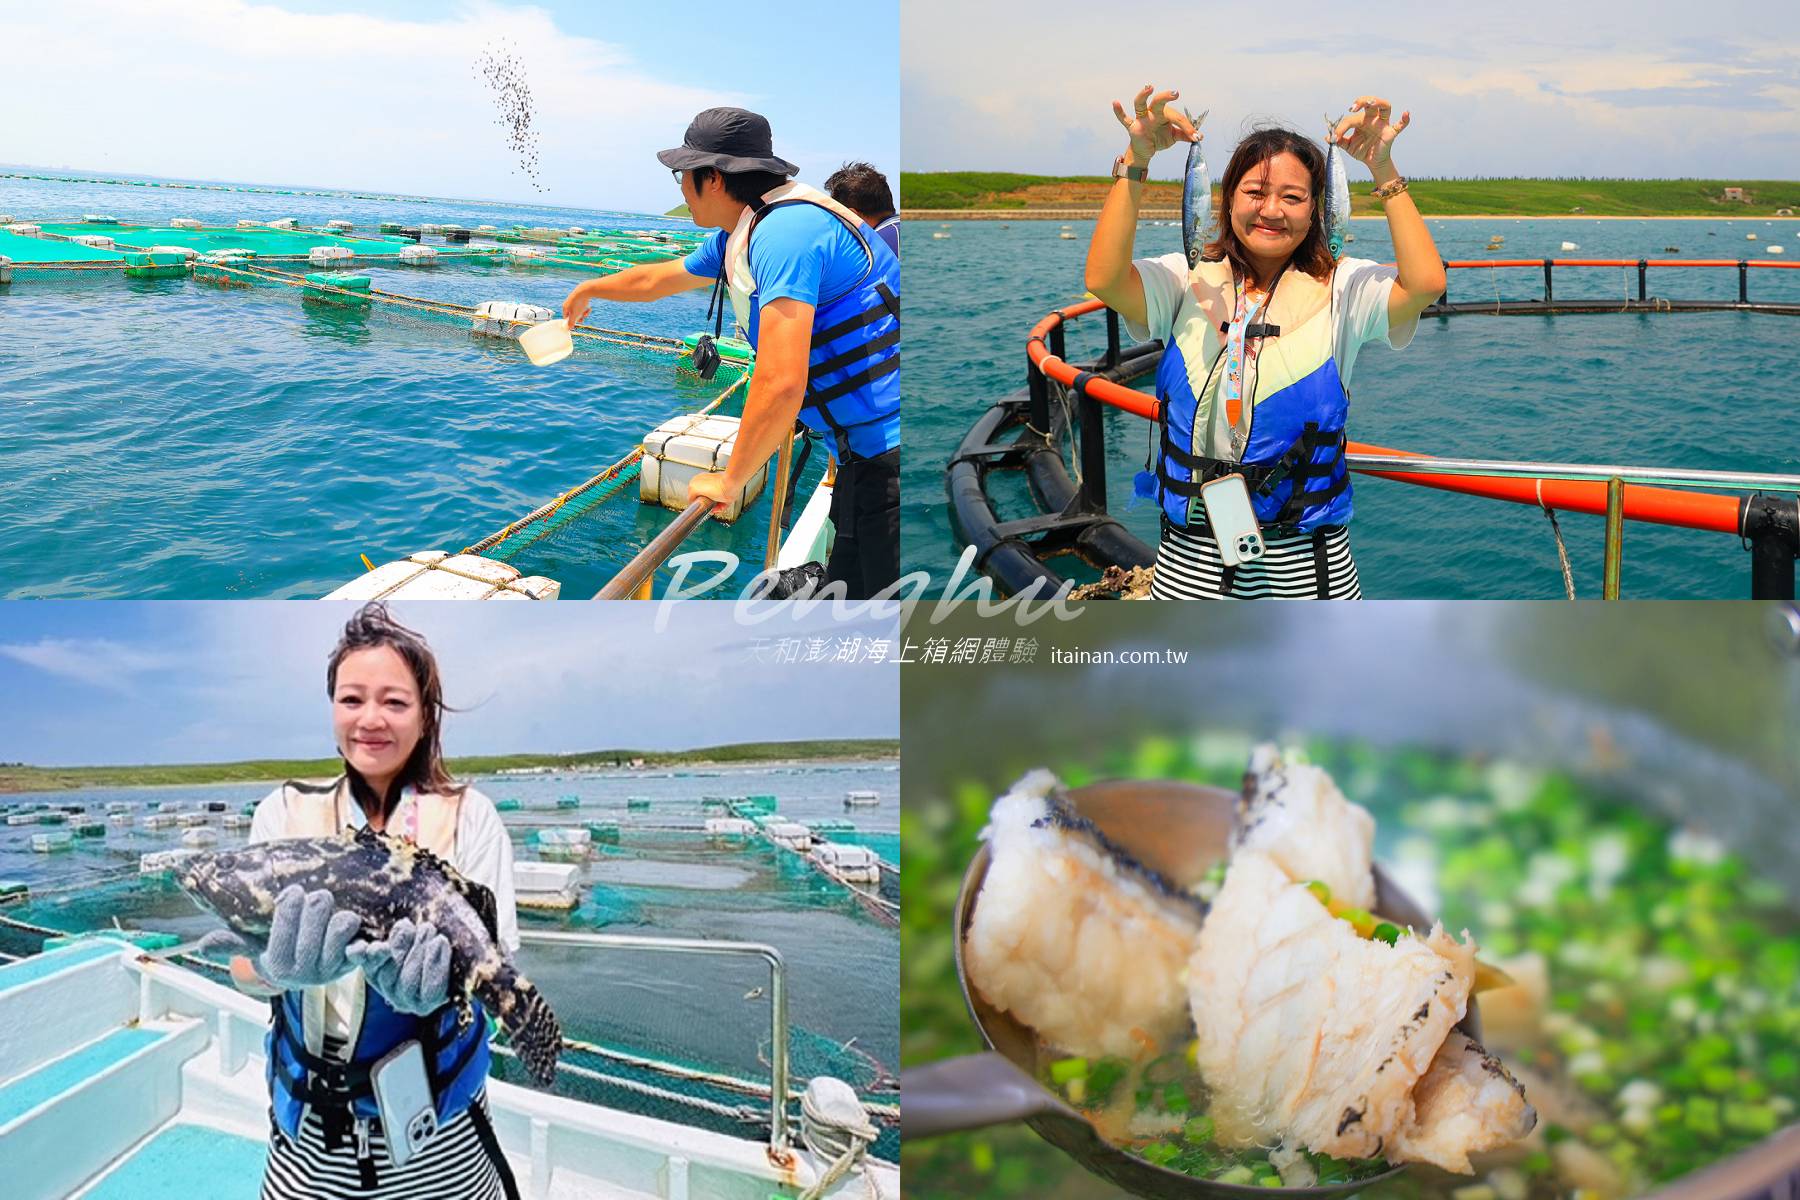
(1648,494)
(635,577)
(778,1032)
(1444,306)
(633,582)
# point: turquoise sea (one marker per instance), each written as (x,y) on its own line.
(662,878)
(1703,390)
(170,439)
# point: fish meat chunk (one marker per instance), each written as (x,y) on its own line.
(1073,936)
(1467,1102)
(1310,1034)
(383,879)
(1296,815)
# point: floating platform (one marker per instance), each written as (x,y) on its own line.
(439,575)
(549,887)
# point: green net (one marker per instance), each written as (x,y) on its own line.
(264,242)
(23,249)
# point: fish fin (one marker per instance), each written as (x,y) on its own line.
(481,899)
(533,1030)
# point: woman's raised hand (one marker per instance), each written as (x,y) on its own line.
(1366,134)
(1152,124)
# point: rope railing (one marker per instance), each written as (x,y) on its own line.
(1643,494)
(605,475)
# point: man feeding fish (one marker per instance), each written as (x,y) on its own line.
(1269,1007)
(376,914)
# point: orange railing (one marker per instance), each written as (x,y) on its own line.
(1769,525)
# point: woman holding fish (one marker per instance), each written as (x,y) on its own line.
(1261,321)
(380,914)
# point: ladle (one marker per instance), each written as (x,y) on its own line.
(1178,830)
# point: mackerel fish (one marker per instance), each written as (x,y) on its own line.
(383,879)
(1199,224)
(1337,190)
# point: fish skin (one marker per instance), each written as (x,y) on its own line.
(383,879)
(1466,1102)
(1337,191)
(1198,222)
(1295,814)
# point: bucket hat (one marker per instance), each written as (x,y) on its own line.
(728,139)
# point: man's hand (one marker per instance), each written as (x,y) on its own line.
(710,486)
(576,306)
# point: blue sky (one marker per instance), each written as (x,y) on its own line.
(112,682)
(1628,88)
(382,94)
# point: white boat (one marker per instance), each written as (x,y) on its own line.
(128,1075)
(199,839)
(861,799)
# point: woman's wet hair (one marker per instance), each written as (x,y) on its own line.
(372,627)
(1313,255)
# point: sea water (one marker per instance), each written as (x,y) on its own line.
(1699,390)
(172,439)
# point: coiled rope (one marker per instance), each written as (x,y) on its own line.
(836,1129)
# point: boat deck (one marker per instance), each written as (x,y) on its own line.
(186,1162)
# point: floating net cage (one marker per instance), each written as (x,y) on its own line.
(670,1036)
(348,282)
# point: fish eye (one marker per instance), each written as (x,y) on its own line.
(225,861)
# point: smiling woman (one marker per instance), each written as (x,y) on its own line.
(333,1025)
(1260,334)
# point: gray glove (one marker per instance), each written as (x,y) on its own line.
(307,937)
(411,969)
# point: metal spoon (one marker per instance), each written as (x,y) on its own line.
(1179,830)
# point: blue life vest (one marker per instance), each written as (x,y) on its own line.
(1293,459)
(456,1060)
(853,368)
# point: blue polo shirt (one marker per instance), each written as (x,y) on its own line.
(798,251)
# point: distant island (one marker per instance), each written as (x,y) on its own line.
(20,777)
(1002,196)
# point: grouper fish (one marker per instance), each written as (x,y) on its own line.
(383,879)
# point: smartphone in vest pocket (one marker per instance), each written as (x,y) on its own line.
(1232,520)
(403,1094)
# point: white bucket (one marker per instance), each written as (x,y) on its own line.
(548,343)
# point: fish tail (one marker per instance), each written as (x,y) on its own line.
(533,1029)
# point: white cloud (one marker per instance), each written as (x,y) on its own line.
(1545,88)
(96,662)
(229,88)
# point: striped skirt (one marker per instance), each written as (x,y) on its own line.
(452,1164)
(1300,566)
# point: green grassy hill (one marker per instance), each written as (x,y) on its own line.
(19,777)
(949,190)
